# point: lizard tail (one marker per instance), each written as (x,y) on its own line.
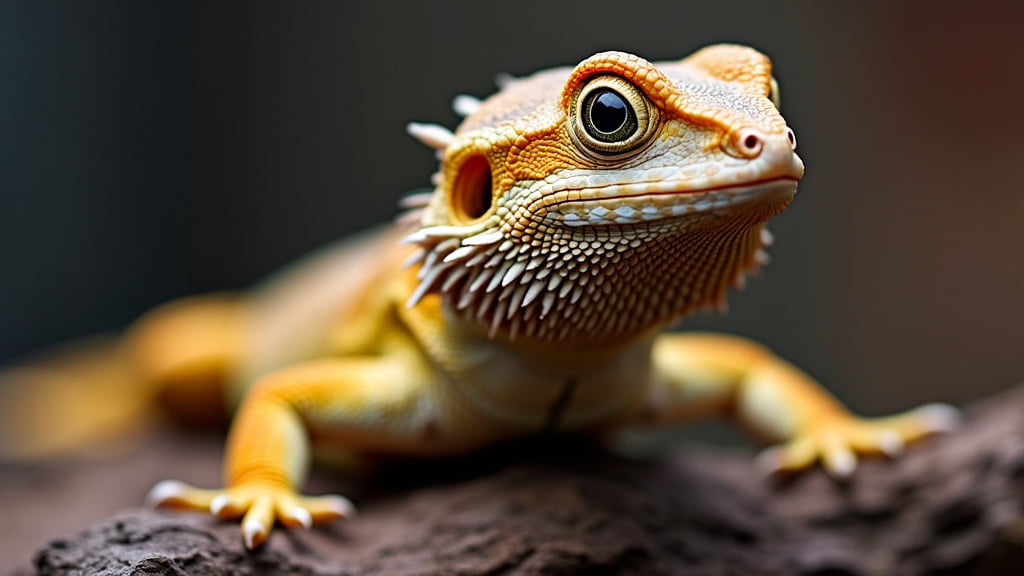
(175,361)
(78,396)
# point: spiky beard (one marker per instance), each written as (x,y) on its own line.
(594,290)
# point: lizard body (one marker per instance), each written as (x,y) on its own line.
(577,214)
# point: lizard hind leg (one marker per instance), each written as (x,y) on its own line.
(189,350)
(94,393)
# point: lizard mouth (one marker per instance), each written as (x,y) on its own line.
(632,204)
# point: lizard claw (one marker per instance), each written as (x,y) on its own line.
(838,440)
(259,506)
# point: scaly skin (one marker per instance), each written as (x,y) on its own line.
(563,235)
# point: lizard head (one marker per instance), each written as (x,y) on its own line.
(604,200)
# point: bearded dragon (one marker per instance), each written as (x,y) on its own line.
(577,214)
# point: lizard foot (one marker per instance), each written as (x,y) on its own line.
(836,441)
(259,506)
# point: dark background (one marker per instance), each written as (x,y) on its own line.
(151,150)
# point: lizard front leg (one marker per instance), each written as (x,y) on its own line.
(700,374)
(370,403)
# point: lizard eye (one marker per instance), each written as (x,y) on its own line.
(607,116)
(611,117)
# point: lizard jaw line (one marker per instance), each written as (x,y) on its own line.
(652,206)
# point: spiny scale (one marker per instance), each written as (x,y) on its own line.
(433,135)
(465,105)
(487,277)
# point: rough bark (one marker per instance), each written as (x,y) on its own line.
(952,505)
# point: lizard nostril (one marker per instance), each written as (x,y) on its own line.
(791,137)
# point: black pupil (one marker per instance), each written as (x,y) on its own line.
(608,112)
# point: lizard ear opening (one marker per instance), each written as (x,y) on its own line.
(471,192)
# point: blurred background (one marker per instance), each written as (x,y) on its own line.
(153,150)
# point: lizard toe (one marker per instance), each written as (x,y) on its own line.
(179,495)
(838,441)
